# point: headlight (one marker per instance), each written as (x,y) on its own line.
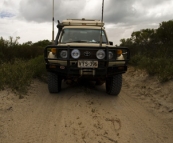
(63,54)
(75,53)
(110,55)
(100,54)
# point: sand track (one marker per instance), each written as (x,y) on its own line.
(86,114)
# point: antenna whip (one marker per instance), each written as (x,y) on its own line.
(53,22)
(102,22)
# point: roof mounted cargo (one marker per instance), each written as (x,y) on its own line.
(84,19)
(82,22)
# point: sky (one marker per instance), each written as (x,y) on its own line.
(31,20)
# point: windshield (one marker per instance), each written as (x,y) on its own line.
(82,35)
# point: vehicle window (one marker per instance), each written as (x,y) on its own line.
(82,35)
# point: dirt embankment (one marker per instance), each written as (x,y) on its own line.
(142,113)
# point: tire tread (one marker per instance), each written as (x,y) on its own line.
(114,84)
(54,83)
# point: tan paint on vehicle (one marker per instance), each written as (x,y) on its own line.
(70,24)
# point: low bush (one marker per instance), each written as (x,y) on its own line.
(11,49)
(161,67)
(19,75)
(152,50)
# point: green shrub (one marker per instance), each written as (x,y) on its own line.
(165,68)
(161,67)
(135,60)
(20,63)
(37,65)
(11,49)
(151,49)
(19,75)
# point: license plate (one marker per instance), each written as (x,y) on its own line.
(87,64)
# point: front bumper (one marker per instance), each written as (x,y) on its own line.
(70,68)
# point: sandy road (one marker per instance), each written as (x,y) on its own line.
(80,114)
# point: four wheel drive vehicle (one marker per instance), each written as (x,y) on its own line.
(82,50)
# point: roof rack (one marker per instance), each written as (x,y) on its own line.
(84,19)
(82,22)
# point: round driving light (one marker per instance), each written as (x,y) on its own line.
(75,53)
(63,54)
(100,54)
(110,55)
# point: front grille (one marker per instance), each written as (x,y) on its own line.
(88,54)
(85,54)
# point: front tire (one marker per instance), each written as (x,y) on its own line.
(114,84)
(54,82)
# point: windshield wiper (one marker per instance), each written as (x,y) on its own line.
(78,41)
(99,42)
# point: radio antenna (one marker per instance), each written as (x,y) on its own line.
(53,23)
(101,25)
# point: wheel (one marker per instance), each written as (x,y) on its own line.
(114,84)
(54,82)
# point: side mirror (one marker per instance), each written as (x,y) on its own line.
(110,42)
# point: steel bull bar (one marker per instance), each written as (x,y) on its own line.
(69,68)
